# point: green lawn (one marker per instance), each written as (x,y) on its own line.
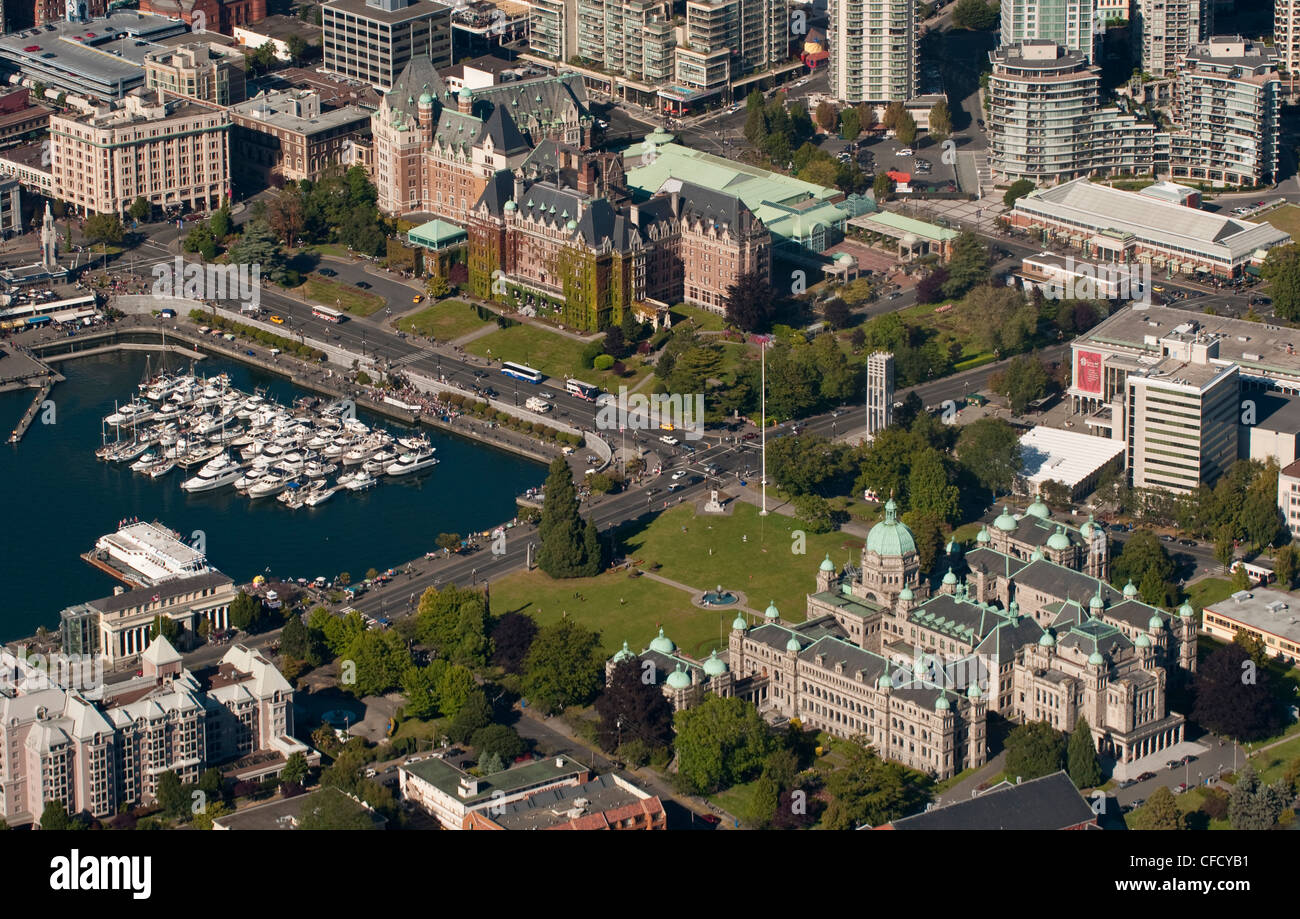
(1270,764)
(704,319)
(1188,802)
(346,297)
(649,605)
(557,356)
(428,732)
(445,321)
(1285,218)
(749,553)
(735,800)
(1207,591)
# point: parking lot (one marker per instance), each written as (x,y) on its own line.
(923,162)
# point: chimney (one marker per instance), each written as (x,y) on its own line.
(677,204)
(586,177)
(519,188)
(634,213)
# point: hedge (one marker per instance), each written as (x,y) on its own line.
(262,336)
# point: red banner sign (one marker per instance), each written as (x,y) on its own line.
(1087,372)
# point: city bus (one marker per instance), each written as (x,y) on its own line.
(521,372)
(582,390)
(326,313)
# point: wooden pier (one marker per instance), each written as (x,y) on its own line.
(35,409)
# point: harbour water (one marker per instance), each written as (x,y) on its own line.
(59,499)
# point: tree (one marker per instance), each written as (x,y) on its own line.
(245,610)
(1225,545)
(490,764)
(1023,381)
(1018,190)
(930,489)
(295,769)
(815,513)
(55,816)
(836,313)
(1162,812)
(380,659)
(166,627)
(1251,643)
(720,742)
(200,239)
(204,819)
(1253,805)
(826,115)
(976,15)
(334,810)
(1085,770)
(615,344)
(882,187)
(220,222)
(420,686)
(474,714)
(1035,749)
(295,639)
(262,59)
(448,542)
(940,122)
(1285,563)
(751,302)
(968,266)
(1144,560)
(632,709)
(258,245)
(563,551)
(990,449)
(1240,578)
(140,208)
(1234,696)
(171,795)
(906,129)
(563,667)
(869,791)
(297,49)
(104,228)
(1282,271)
(850,124)
(511,639)
(500,739)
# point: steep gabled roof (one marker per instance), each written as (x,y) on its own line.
(501,128)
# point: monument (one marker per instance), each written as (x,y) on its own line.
(713,505)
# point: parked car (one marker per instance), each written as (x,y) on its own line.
(906,151)
(364,285)
(1187,542)
(327,272)
(1146,776)
(417,298)
(278,320)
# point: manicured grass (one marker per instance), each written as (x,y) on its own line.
(749,553)
(957,779)
(1285,218)
(735,800)
(649,605)
(445,321)
(1188,802)
(346,297)
(704,319)
(1207,591)
(426,731)
(553,354)
(1270,764)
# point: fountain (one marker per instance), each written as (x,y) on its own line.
(718,597)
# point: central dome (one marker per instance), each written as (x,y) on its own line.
(890,537)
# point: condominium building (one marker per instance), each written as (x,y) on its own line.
(1072,24)
(374,40)
(631,38)
(1046,121)
(1166,30)
(435,151)
(288,135)
(1288,497)
(880,392)
(1286,39)
(553,28)
(1227,103)
(169,151)
(98,747)
(873,53)
(200,71)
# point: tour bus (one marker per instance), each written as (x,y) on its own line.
(326,313)
(521,372)
(582,390)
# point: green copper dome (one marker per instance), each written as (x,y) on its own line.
(1129,589)
(1142,641)
(465,93)
(1058,540)
(1039,509)
(906,594)
(679,679)
(739,624)
(1036,555)
(890,538)
(1047,641)
(714,666)
(426,99)
(511,206)
(624,655)
(572,225)
(983,535)
(885,681)
(1089,525)
(772,612)
(1095,659)
(663,644)
(1005,521)
(1155,622)
(974,691)
(827,564)
(1097,602)
(792,644)
(950,578)
(941,703)
(1185,611)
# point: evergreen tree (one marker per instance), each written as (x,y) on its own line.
(563,552)
(1085,770)
(1162,812)
(595,562)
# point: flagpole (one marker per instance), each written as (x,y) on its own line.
(762,348)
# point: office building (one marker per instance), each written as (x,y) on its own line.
(1072,24)
(203,72)
(1227,103)
(100,747)
(289,136)
(1288,497)
(873,53)
(450,793)
(1182,417)
(1166,30)
(21,119)
(1046,122)
(170,151)
(1116,226)
(373,40)
(1271,616)
(221,16)
(880,392)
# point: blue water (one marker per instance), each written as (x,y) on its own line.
(58,499)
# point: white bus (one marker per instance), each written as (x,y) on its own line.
(329,315)
(582,390)
(521,372)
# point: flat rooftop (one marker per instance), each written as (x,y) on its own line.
(416,10)
(1276,412)
(276,110)
(446,777)
(1264,610)
(576,804)
(1259,348)
(1052,454)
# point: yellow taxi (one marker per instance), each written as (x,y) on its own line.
(417,298)
(278,320)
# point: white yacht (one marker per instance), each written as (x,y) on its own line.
(318,496)
(144,462)
(268,485)
(410,463)
(379,463)
(131,413)
(161,468)
(216,473)
(250,478)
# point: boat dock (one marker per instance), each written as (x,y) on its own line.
(32,411)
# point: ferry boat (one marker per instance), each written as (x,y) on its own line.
(410,463)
